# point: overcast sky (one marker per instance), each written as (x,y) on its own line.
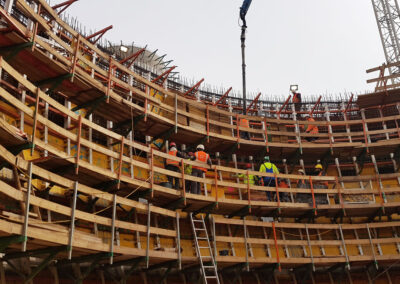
(325,46)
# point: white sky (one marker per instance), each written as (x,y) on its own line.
(323,45)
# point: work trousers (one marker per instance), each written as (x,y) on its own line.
(270,182)
(196,186)
(174,181)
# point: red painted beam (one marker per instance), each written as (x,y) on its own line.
(283,106)
(163,76)
(99,34)
(63,5)
(223,97)
(253,102)
(349,103)
(132,57)
(315,106)
(194,88)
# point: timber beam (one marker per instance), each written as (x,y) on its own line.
(165,135)
(244,211)
(234,268)
(6,241)
(175,204)
(83,259)
(206,209)
(55,82)
(9,52)
(15,150)
(377,213)
(92,103)
(141,193)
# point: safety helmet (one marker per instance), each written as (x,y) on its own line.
(172,144)
(248,166)
(200,147)
(300,171)
(318,166)
(266,158)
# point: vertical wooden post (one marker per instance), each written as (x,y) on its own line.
(372,248)
(183,181)
(114,216)
(178,241)
(46,129)
(344,247)
(216,185)
(176,113)
(208,123)
(78,145)
(246,244)
(309,247)
(365,130)
(152,171)
(121,155)
(313,196)
(138,243)
(72,225)
(276,247)
(148,234)
(248,191)
(35,116)
(237,178)
(266,133)
(109,79)
(27,204)
(75,58)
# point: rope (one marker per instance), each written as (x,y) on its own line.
(295,235)
(385,270)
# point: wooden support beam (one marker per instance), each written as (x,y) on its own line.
(148,234)
(310,248)
(121,154)
(78,145)
(276,247)
(344,247)
(114,216)
(72,225)
(35,116)
(27,204)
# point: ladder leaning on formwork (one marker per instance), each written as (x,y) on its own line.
(209,272)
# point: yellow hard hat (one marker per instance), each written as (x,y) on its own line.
(319,166)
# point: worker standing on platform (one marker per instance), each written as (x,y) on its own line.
(319,171)
(311,129)
(173,165)
(296,100)
(251,179)
(243,122)
(198,171)
(268,167)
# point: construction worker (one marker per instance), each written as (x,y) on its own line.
(303,183)
(188,171)
(243,122)
(296,100)
(173,165)
(268,167)
(311,129)
(319,171)
(198,171)
(251,179)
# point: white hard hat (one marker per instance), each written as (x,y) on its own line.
(200,146)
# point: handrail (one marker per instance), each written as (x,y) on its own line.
(197,105)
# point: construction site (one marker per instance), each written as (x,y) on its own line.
(115,170)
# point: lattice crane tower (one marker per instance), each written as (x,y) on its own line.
(387,15)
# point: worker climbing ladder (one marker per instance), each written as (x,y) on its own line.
(209,271)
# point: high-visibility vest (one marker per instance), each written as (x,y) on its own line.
(172,162)
(251,179)
(313,129)
(201,157)
(244,123)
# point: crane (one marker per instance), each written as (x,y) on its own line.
(387,14)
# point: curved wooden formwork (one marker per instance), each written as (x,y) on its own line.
(64,68)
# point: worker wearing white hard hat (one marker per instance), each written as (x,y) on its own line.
(203,159)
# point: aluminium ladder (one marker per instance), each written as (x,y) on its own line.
(209,271)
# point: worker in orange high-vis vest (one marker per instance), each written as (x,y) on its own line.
(173,165)
(296,100)
(198,171)
(311,129)
(243,122)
